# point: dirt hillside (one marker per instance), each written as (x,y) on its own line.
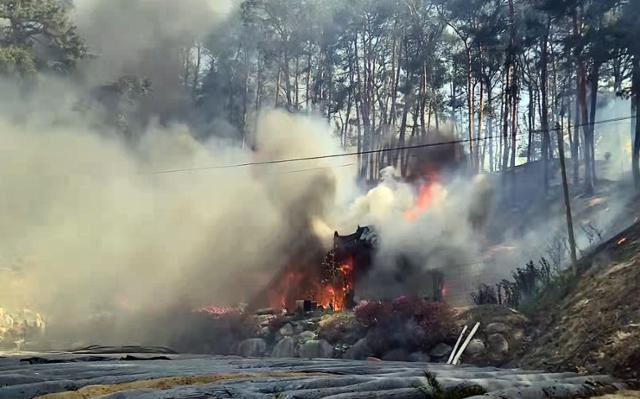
(592,323)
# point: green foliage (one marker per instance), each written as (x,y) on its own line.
(16,62)
(38,36)
(341,327)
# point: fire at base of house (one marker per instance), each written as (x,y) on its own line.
(335,281)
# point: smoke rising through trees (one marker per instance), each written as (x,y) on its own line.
(98,95)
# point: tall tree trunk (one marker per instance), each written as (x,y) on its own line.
(514,121)
(277,91)
(470,95)
(479,164)
(414,132)
(402,135)
(595,78)
(490,123)
(575,149)
(308,80)
(582,98)
(530,121)
(505,115)
(635,156)
(287,79)
(567,199)
(544,82)
(296,84)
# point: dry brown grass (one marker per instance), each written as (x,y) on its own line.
(623,395)
(595,327)
(93,391)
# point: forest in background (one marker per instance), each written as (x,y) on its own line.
(504,76)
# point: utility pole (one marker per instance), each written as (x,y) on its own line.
(567,201)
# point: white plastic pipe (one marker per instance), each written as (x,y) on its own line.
(456,359)
(455,348)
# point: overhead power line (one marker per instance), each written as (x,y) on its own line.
(368,152)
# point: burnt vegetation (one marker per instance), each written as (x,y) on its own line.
(527,284)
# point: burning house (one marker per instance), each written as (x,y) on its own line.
(333,282)
(326,281)
(350,258)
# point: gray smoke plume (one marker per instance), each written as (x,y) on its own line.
(91,225)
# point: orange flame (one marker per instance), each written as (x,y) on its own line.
(299,283)
(426,197)
(334,294)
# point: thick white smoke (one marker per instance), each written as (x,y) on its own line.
(90,224)
(444,233)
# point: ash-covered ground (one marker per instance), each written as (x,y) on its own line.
(124,376)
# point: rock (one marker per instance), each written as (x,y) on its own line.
(498,344)
(286,330)
(499,328)
(264,320)
(306,336)
(307,325)
(252,347)
(396,355)
(359,351)
(476,347)
(286,347)
(264,332)
(316,349)
(441,350)
(266,311)
(419,357)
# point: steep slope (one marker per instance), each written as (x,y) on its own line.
(592,323)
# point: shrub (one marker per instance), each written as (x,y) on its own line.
(340,327)
(406,321)
(485,295)
(372,313)
(528,283)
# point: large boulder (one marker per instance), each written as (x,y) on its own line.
(497,328)
(359,351)
(252,347)
(498,344)
(286,330)
(316,349)
(475,348)
(306,336)
(286,347)
(503,332)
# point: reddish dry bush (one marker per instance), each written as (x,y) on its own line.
(406,321)
(436,319)
(372,313)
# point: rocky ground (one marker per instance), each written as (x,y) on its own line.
(501,336)
(155,376)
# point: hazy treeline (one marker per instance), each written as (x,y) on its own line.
(502,73)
